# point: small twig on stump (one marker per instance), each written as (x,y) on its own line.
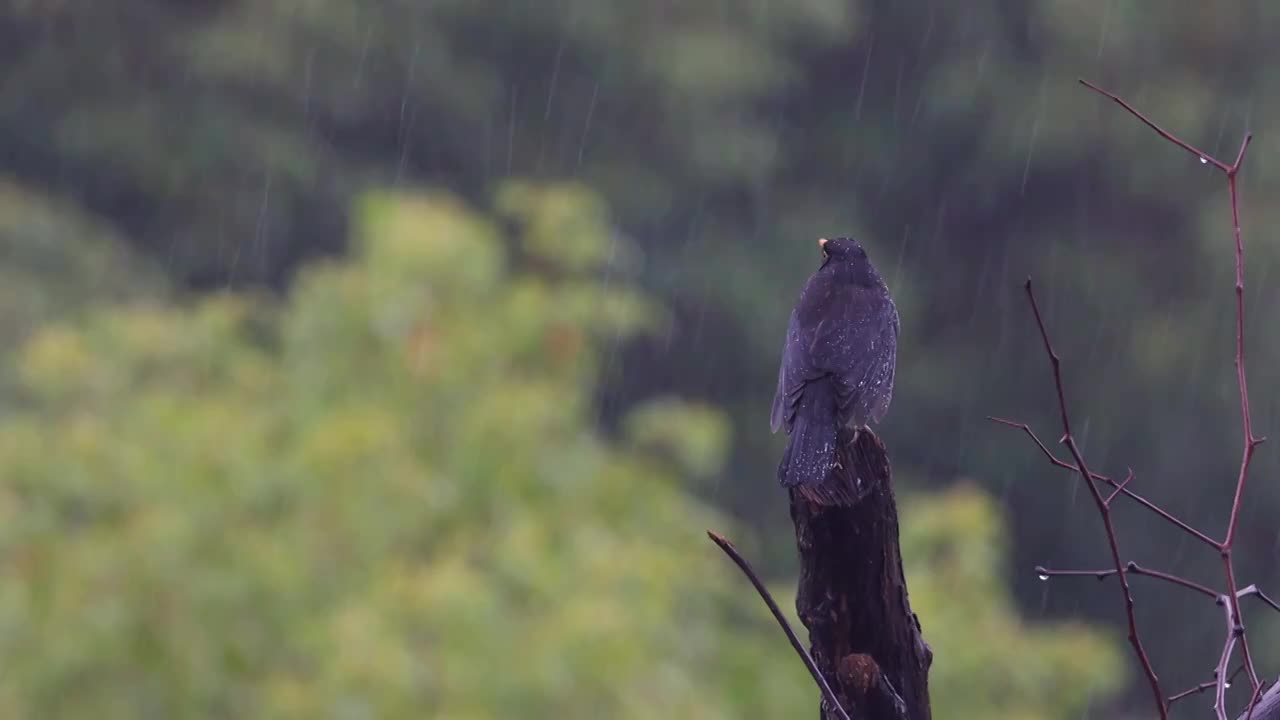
(745,567)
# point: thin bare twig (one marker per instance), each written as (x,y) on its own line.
(1163,133)
(1159,511)
(1235,632)
(1253,590)
(1118,488)
(745,567)
(1251,442)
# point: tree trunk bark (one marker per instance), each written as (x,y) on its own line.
(852,595)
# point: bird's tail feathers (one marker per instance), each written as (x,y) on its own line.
(810,453)
(809,464)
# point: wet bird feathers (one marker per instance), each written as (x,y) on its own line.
(838,363)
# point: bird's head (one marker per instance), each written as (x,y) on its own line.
(848,260)
(842,248)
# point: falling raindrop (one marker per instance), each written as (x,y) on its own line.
(1043,577)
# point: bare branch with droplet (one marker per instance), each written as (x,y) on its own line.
(1131,568)
(1229,600)
(1102,504)
(1204,686)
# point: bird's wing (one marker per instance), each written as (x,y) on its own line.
(832,332)
(777,416)
(883,374)
(867,358)
(792,375)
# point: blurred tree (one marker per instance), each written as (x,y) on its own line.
(380,499)
(57,262)
(384,497)
(224,139)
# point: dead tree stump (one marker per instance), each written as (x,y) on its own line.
(852,594)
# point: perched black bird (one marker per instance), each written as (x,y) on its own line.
(837,367)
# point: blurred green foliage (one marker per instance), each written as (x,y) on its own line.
(381,498)
(385,497)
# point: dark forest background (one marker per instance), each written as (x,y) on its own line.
(388,359)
